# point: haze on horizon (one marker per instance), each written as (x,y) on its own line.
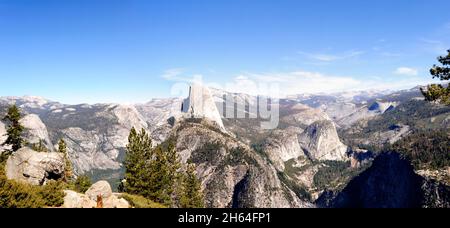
(116,51)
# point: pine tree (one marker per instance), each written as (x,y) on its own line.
(68,170)
(150,172)
(160,182)
(138,155)
(438,92)
(39,147)
(15,129)
(174,166)
(192,196)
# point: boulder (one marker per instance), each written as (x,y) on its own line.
(115,202)
(100,188)
(89,200)
(35,167)
(77,200)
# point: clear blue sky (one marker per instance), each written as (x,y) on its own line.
(77,51)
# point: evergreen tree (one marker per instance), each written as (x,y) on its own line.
(174,166)
(138,155)
(39,147)
(438,92)
(15,129)
(192,196)
(160,182)
(68,170)
(82,184)
(151,172)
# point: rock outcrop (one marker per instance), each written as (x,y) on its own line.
(282,146)
(232,174)
(35,130)
(3,136)
(389,183)
(34,167)
(320,141)
(382,107)
(100,190)
(200,104)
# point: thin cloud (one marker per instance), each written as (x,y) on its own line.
(435,46)
(390,54)
(324,57)
(301,82)
(172,74)
(406,71)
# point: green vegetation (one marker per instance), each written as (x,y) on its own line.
(39,147)
(291,170)
(418,115)
(299,190)
(154,173)
(207,153)
(15,129)
(438,92)
(239,155)
(335,174)
(68,171)
(138,155)
(15,194)
(426,149)
(192,196)
(140,201)
(52,193)
(412,113)
(81,184)
(330,173)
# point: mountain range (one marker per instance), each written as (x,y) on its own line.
(329,150)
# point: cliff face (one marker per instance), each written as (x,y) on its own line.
(35,130)
(321,142)
(389,183)
(233,175)
(200,104)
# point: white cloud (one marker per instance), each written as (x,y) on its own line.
(281,84)
(390,54)
(331,57)
(172,74)
(406,71)
(300,82)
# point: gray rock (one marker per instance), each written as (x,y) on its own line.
(35,130)
(321,142)
(200,104)
(77,200)
(101,188)
(232,174)
(34,167)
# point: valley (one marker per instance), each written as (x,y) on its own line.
(329,150)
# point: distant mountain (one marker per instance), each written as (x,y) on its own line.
(321,142)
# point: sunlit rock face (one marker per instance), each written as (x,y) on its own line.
(200,104)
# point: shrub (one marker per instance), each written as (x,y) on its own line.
(81,184)
(140,201)
(52,193)
(426,149)
(18,195)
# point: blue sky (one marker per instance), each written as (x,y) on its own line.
(78,51)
